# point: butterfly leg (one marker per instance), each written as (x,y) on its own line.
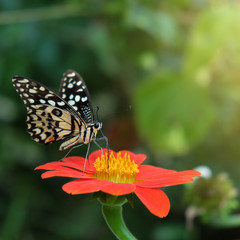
(105,139)
(98,146)
(100,139)
(76,146)
(86,157)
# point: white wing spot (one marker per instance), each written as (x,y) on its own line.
(37,130)
(71,96)
(72,74)
(49,95)
(63,89)
(23,81)
(77,98)
(80,90)
(21,90)
(25,94)
(42,101)
(70,85)
(18,84)
(61,103)
(43,136)
(51,102)
(75,108)
(31,100)
(42,88)
(32,91)
(71,102)
(79,83)
(34,117)
(84,99)
(64,96)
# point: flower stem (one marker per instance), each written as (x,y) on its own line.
(114,220)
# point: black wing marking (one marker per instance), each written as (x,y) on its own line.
(74,91)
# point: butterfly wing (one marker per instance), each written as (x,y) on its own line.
(49,118)
(74,91)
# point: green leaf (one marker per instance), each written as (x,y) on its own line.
(172,115)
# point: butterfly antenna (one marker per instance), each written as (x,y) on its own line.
(103,136)
(97,113)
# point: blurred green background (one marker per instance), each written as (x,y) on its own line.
(165,75)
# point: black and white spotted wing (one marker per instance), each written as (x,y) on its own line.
(50,118)
(74,91)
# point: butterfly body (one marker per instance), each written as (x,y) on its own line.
(51,118)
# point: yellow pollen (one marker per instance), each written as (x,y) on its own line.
(118,170)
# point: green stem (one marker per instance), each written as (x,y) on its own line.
(114,219)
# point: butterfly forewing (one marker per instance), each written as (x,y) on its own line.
(49,117)
(74,91)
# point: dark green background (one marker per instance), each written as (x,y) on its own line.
(165,75)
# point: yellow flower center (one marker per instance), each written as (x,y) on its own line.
(118,170)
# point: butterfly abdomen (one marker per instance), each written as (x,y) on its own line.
(84,136)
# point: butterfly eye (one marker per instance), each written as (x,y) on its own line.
(97,125)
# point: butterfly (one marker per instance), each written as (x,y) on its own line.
(68,116)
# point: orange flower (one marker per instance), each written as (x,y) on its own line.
(119,174)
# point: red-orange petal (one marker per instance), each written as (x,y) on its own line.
(117,189)
(79,163)
(70,162)
(152,177)
(80,186)
(66,173)
(164,182)
(155,200)
(152,172)
(72,168)
(50,166)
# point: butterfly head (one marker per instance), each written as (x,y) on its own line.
(97,126)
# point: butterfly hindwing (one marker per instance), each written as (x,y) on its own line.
(74,91)
(47,124)
(49,118)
